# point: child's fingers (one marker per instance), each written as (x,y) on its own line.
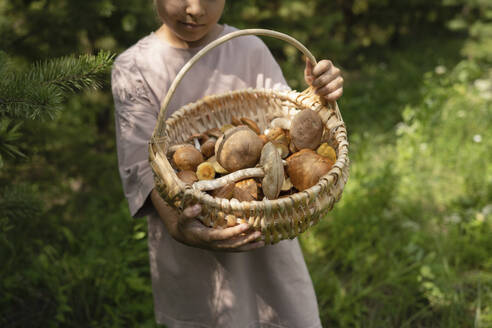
(322,67)
(236,243)
(211,235)
(330,87)
(334,95)
(326,76)
(324,79)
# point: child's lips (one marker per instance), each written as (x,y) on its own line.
(192,26)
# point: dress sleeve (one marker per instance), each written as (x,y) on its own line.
(269,74)
(135,118)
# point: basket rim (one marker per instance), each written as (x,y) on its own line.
(304,98)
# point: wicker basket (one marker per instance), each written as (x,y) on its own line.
(277,219)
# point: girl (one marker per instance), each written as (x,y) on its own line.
(203,277)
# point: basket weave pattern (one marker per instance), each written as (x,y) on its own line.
(277,219)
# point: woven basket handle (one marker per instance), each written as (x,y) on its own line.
(161,124)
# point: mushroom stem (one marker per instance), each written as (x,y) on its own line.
(197,143)
(255,172)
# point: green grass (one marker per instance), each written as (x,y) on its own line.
(409,244)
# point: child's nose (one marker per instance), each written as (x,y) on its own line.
(195,8)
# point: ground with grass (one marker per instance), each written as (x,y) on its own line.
(409,245)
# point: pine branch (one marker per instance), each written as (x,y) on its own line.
(9,135)
(18,202)
(40,92)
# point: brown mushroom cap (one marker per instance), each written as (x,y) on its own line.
(250,186)
(275,133)
(202,137)
(242,195)
(263,138)
(187,177)
(274,171)
(214,132)
(187,158)
(251,124)
(239,148)
(226,191)
(208,148)
(306,129)
(235,121)
(306,167)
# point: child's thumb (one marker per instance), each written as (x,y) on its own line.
(308,72)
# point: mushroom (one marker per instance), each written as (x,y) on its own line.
(238,148)
(282,149)
(292,147)
(187,157)
(326,150)
(242,195)
(274,171)
(250,186)
(188,177)
(263,138)
(306,167)
(251,124)
(275,133)
(208,147)
(235,121)
(287,185)
(226,191)
(205,171)
(217,167)
(201,137)
(226,127)
(214,132)
(270,168)
(306,129)
(281,122)
(172,149)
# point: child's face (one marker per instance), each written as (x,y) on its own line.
(190,20)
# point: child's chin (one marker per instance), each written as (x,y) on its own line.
(193,38)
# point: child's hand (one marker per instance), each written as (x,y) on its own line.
(186,228)
(235,239)
(325,78)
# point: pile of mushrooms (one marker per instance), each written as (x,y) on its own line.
(239,160)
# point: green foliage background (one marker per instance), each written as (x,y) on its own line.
(410,243)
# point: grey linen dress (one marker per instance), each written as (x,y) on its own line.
(267,287)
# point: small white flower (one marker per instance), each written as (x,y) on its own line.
(477,138)
(483,85)
(440,69)
(453,218)
(487,95)
(487,210)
